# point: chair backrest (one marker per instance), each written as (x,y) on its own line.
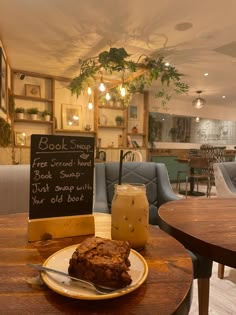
(198,162)
(102,155)
(14,188)
(225,179)
(132,156)
(214,155)
(153,175)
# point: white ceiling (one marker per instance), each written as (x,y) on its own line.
(49,36)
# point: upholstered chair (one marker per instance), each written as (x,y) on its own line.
(14,188)
(225,182)
(159,191)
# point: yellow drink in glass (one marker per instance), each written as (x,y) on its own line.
(130,214)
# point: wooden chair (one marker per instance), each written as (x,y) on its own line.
(182,169)
(198,170)
(132,156)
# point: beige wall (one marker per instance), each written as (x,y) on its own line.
(179,106)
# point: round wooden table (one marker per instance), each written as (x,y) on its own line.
(204,226)
(167,289)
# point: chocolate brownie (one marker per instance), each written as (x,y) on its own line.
(102,261)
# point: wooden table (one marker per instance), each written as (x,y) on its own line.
(204,226)
(167,289)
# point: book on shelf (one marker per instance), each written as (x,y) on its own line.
(135,144)
(129,142)
(132,143)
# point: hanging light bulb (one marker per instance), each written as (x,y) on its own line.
(108,96)
(89,91)
(122,86)
(122,91)
(197,119)
(102,87)
(90,104)
(199,102)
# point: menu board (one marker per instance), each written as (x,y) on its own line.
(61,176)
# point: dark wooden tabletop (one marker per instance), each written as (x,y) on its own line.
(167,289)
(205,226)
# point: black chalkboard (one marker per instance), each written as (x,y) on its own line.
(61,176)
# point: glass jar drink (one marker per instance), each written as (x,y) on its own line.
(130,214)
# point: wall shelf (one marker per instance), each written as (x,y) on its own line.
(31,98)
(37,121)
(112,107)
(73,131)
(136,134)
(111,126)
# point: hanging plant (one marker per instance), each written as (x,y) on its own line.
(5,133)
(136,76)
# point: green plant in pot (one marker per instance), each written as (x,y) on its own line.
(46,115)
(19,112)
(119,120)
(33,112)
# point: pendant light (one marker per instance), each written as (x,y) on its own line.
(102,86)
(199,102)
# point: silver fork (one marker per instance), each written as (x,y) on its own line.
(98,288)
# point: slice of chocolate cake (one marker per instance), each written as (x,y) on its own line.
(102,261)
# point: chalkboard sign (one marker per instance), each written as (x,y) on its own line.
(61,176)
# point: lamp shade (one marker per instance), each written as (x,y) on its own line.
(199,102)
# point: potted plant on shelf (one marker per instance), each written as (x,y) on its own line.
(119,120)
(33,112)
(134,129)
(46,115)
(19,112)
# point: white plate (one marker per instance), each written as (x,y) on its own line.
(65,286)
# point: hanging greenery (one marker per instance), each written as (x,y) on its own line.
(5,133)
(117,60)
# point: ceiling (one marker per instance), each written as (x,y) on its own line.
(49,36)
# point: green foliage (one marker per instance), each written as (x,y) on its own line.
(119,119)
(151,135)
(19,110)
(5,133)
(11,102)
(45,113)
(32,110)
(116,60)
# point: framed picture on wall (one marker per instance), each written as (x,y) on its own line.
(71,116)
(32,90)
(3,82)
(20,138)
(133,112)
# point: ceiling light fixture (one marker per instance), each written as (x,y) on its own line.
(199,102)
(137,76)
